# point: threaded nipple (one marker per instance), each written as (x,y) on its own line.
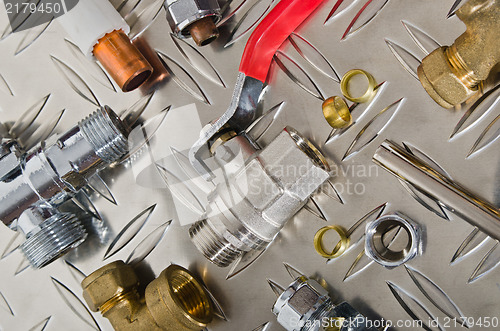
(57,235)
(460,68)
(212,245)
(191,296)
(106,133)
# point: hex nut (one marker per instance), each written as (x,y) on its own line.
(108,282)
(383,255)
(298,303)
(439,80)
(182,13)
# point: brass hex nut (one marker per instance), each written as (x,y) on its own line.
(440,81)
(108,282)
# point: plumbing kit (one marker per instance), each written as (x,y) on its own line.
(270,179)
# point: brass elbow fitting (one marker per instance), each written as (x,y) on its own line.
(453,74)
(173,301)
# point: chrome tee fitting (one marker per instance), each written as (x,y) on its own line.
(34,184)
(268,188)
(194,18)
(175,300)
(306,306)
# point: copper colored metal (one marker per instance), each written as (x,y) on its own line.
(126,65)
(204,31)
(160,74)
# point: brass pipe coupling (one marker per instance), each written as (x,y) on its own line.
(35,183)
(175,300)
(453,74)
(264,189)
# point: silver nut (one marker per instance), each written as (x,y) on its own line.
(378,250)
(182,13)
(299,302)
(300,167)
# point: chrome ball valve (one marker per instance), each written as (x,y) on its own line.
(34,184)
(262,192)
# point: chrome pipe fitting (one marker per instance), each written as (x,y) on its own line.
(49,236)
(34,184)
(383,255)
(263,190)
(306,306)
(194,18)
(429,181)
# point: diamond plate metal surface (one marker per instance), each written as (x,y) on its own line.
(46,84)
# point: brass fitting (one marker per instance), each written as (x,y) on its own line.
(336,112)
(453,74)
(173,301)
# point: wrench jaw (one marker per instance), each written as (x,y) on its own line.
(242,111)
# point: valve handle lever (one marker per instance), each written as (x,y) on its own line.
(266,39)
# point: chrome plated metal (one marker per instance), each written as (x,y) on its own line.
(306,306)
(431,182)
(182,13)
(51,173)
(240,114)
(383,255)
(127,223)
(258,197)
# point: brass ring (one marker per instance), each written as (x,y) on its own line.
(339,249)
(336,112)
(370,91)
(222,138)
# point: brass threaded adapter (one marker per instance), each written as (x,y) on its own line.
(453,74)
(111,281)
(176,300)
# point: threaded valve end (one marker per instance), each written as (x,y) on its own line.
(212,245)
(107,134)
(460,68)
(57,235)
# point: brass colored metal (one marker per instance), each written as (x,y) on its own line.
(121,59)
(339,249)
(336,112)
(173,301)
(204,31)
(224,134)
(453,74)
(370,91)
